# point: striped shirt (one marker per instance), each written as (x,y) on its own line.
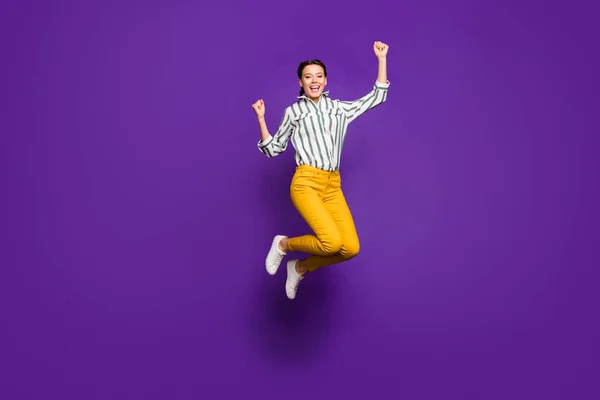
(317,131)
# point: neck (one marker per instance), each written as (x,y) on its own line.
(313,99)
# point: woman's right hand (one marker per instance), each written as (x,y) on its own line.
(259,108)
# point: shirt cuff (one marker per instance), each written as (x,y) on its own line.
(264,144)
(379,85)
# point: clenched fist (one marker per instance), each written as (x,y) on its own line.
(259,108)
(380,49)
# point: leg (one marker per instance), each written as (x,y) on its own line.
(330,206)
(307,191)
(310,195)
(337,207)
(312,205)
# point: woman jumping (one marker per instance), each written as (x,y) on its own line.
(317,127)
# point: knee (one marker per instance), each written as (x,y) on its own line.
(350,250)
(332,244)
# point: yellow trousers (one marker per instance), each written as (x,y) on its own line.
(318,197)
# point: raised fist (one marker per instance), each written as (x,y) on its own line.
(380,49)
(259,108)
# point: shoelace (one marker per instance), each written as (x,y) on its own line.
(296,279)
(279,256)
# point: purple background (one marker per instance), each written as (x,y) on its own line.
(137,210)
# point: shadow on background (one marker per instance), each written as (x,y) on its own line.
(289,331)
(293,331)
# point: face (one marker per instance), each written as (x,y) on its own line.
(313,81)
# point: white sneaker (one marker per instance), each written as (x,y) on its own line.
(275,256)
(293,279)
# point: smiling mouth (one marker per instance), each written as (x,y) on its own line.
(314,88)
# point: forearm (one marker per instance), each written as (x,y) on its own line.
(264,131)
(382,70)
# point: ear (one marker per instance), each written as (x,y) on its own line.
(300,82)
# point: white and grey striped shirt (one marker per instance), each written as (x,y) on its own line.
(317,131)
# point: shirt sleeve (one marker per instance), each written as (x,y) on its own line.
(354,109)
(277,144)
